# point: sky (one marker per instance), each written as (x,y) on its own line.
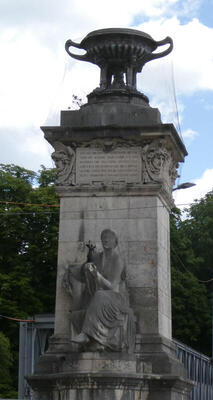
(38,78)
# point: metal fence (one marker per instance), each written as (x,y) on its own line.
(33,341)
(199,369)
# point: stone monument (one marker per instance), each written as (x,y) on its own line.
(117,163)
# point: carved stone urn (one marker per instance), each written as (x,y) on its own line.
(120,54)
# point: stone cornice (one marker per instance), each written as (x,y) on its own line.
(68,135)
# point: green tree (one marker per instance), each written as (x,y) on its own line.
(28,248)
(191,306)
(5,364)
(199,227)
(191,311)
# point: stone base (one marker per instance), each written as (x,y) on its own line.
(108,376)
(109,386)
(122,95)
(110,114)
(160,353)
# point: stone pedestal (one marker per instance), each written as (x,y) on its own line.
(118,178)
(142,226)
(98,376)
(115,172)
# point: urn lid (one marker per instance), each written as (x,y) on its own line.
(116,33)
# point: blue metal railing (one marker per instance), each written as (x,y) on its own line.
(199,369)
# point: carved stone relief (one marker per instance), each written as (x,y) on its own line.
(121,165)
(103,319)
(64,158)
(109,162)
(158,163)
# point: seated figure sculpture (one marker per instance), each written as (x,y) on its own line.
(104,321)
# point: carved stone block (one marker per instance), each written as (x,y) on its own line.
(95,166)
(101,163)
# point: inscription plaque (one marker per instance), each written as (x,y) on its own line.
(93,165)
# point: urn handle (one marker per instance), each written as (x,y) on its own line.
(167,40)
(69,43)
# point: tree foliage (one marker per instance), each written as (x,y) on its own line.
(5,364)
(191,297)
(28,248)
(199,227)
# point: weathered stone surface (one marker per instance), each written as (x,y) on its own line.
(145,296)
(72,252)
(110,114)
(164,302)
(104,384)
(127,229)
(143,243)
(119,165)
(98,362)
(141,252)
(141,276)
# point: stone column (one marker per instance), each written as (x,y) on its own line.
(137,210)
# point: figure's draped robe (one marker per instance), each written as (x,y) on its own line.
(106,316)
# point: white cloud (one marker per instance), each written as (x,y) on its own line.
(77,17)
(38,78)
(29,73)
(33,55)
(183,198)
(192,55)
(186,8)
(25,147)
(188,136)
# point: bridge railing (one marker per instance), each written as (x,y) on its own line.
(199,369)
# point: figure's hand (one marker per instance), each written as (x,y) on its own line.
(91,268)
(90,273)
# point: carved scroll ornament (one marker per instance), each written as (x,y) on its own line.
(64,158)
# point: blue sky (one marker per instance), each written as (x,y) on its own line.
(38,78)
(198,115)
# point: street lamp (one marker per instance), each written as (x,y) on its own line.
(185,185)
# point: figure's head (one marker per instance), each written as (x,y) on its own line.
(109,239)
